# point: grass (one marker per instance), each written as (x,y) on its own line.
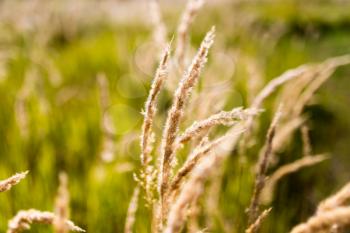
(63,121)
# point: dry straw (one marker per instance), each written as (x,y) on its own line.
(324,70)
(7,184)
(295,73)
(307,148)
(221,118)
(150,107)
(254,227)
(108,144)
(62,205)
(306,161)
(262,169)
(179,190)
(176,113)
(130,218)
(25,218)
(285,131)
(338,199)
(159,29)
(196,156)
(190,192)
(192,8)
(325,221)
(330,216)
(148,174)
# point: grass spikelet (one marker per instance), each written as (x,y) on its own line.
(150,107)
(256,225)
(176,112)
(221,118)
(284,170)
(148,173)
(192,8)
(62,205)
(7,184)
(25,218)
(262,168)
(338,199)
(130,217)
(325,221)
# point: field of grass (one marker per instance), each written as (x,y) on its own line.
(74,78)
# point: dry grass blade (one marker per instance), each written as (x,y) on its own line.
(262,168)
(103,84)
(289,75)
(325,72)
(7,184)
(193,159)
(299,92)
(25,218)
(107,127)
(194,212)
(62,205)
(276,82)
(150,107)
(294,73)
(192,8)
(148,173)
(221,118)
(338,199)
(176,112)
(324,221)
(256,225)
(159,29)
(130,218)
(284,133)
(307,148)
(284,170)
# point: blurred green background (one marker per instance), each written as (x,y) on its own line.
(51,53)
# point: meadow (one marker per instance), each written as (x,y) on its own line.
(175,116)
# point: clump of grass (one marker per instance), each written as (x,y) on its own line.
(179,189)
(175,114)
(25,218)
